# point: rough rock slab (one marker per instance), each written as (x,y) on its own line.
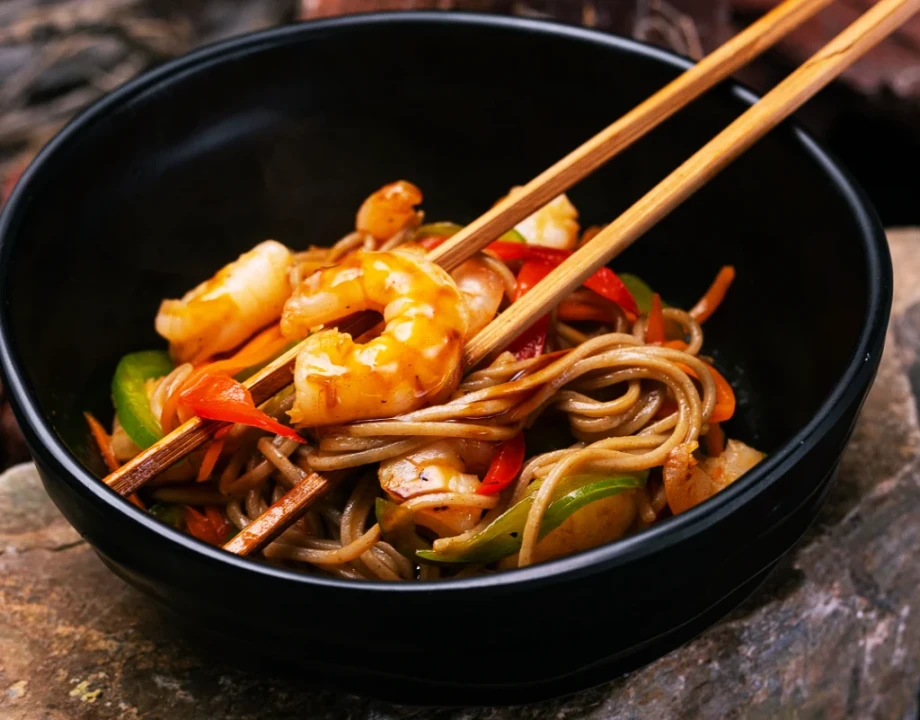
(834,633)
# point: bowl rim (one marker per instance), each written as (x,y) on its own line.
(859,370)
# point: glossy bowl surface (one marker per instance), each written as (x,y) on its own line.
(282,134)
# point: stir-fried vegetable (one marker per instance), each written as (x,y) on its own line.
(607,283)
(219,522)
(505,466)
(220,397)
(211,526)
(212,454)
(640,291)
(714,295)
(604,282)
(503,536)
(129,394)
(103,441)
(572,311)
(654,330)
(531,342)
(725,396)
(169,514)
(200,526)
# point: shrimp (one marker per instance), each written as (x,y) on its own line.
(554,225)
(482,288)
(414,361)
(687,484)
(449,465)
(222,312)
(387,211)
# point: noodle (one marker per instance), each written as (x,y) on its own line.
(629,405)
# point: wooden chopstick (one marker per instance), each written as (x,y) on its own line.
(822,67)
(584,160)
(778,104)
(712,69)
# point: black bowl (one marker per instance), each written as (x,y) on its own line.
(282,134)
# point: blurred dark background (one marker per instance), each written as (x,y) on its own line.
(58,56)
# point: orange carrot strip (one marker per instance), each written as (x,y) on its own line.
(715,440)
(725,396)
(654,330)
(714,295)
(261,348)
(675,345)
(577,311)
(211,456)
(103,441)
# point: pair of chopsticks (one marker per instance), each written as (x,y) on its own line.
(819,70)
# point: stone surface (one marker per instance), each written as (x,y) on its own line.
(834,633)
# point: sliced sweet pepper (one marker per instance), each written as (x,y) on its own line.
(654,330)
(725,396)
(220,397)
(169,514)
(505,466)
(503,535)
(129,394)
(219,522)
(199,525)
(604,282)
(531,342)
(640,291)
(714,295)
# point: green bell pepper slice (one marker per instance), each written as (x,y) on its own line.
(169,514)
(503,536)
(446,229)
(129,394)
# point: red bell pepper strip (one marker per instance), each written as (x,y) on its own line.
(218,521)
(505,466)
(604,282)
(654,330)
(574,311)
(200,526)
(103,441)
(517,251)
(530,343)
(220,397)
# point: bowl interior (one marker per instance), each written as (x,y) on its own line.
(186,173)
